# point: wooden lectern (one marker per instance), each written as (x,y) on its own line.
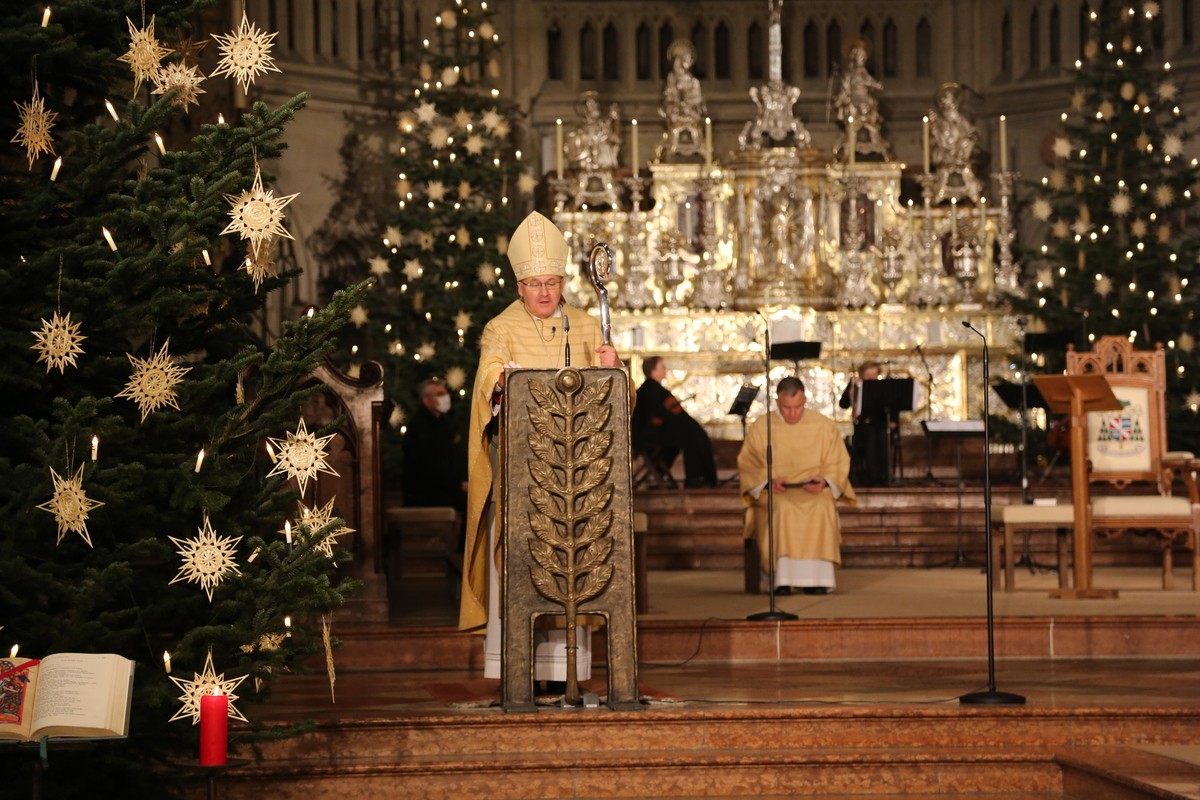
(1079,395)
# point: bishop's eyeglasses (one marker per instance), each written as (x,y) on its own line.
(552,285)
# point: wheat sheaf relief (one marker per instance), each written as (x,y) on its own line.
(571,518)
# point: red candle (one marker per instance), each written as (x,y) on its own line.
(214,730)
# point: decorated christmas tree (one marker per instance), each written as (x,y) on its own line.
(1118,208)
(438,254)
(141,507)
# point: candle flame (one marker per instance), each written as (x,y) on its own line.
(13,653)
(199,459)
(57,167)
(167,661)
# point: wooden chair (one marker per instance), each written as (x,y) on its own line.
(1126,450)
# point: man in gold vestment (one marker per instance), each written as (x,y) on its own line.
(810,473)
(536,332)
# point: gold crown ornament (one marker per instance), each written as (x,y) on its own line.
(537,248)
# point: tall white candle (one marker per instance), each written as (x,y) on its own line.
(925,141)
(633,146)
(558,148)
(851,139)
(46,17)
(707,141)
(1003,143)
(57,167)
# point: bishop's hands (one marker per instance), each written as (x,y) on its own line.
(608,356)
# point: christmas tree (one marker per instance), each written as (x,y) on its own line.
(438,253)
(141,508)
(1118,208)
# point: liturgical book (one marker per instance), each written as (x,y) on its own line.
(67,695)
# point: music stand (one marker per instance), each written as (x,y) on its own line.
(956,431)
(1022,397)
(1078,395)
(794,352)
(741,404)
(883,398)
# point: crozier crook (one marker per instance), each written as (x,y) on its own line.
(599,264)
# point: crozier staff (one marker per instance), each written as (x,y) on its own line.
(532,333)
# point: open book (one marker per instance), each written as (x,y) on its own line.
(78,695)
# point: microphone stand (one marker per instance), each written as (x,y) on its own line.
(990,696)
(773,614)
(928,416)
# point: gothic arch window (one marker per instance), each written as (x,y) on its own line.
(642,55)
(833,45)
(1085,26)
(554,53)
(335,49)
(721,66)
(1006,53)
(316,26)
(360,32)
(812,50)
(924,49)
(866,32)
(666,35)
(756,52)
(291,25)
(1035,40)
(588,52)
(1055,23)
(700,42)
(609,53)
(891,49)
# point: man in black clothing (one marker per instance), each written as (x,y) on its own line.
(869,450)
(435,457)
(659,420)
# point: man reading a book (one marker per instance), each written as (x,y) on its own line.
(810,472)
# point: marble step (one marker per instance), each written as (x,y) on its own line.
(676,754)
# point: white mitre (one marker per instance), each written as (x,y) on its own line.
(537,248)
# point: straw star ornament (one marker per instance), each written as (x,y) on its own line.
(58,342)
(145,53)
(317,518)
(152,385)
(36,124)
(184,79)
(245,54)
(205,683)
(70,505)
(207,558)
(257,214)
(301,456)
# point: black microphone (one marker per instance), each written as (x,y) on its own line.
(967,324)
(566,339)
(1022,321)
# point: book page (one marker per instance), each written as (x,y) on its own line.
(75,695)
(16,698)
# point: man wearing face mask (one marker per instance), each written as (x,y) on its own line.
(435,458)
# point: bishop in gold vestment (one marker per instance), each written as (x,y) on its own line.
(810,473)
(534,332)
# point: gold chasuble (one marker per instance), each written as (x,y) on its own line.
(806,524)
(517,336)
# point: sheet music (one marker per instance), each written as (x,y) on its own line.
(954,426)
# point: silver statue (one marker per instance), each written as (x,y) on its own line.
(596,143)
(954,139)
(775,99)
(594,146)
(855,102)
(683,106)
